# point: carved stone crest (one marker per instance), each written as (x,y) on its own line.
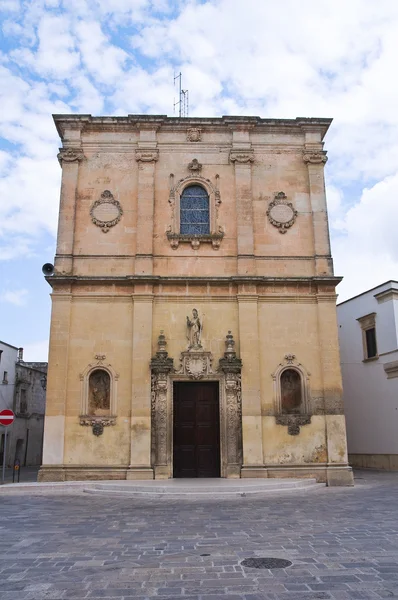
(194,134)
(195,166)
(281,213)
(106,212)
(195,364)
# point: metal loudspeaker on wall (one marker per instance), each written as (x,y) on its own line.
(48,269)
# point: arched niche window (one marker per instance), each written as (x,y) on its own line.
(99,390)
(194,211)
(291,392)
(99,393)
(291,388)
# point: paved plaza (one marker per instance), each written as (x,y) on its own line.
(342,542)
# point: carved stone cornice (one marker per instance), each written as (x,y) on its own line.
(241,156)
(70,155)
(195,240)
(147,155)
(317,157)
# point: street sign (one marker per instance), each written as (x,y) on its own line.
(6,417)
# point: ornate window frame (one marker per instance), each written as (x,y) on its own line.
(368,322)
(293,421)
(98,422)
(216,231)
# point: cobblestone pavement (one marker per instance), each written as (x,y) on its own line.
(343,543)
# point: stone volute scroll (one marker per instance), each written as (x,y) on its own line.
(231,366)
(70,155)
(161,367)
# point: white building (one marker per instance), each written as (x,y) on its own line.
(22,389)
(368,335)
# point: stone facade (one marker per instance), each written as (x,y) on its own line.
(149,292)
(23,390)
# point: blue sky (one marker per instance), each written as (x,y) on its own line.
(283,59)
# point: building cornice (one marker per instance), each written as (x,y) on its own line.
(165,123)
(53,280)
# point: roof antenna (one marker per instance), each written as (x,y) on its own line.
(183,101)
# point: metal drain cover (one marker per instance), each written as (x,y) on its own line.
(266,563)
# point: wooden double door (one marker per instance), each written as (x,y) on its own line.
(196,430)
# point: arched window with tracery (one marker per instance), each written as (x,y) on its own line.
(291,392)
(194,211)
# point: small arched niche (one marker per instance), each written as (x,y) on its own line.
(291,388)
(99,390)
(99,393)
(291,392)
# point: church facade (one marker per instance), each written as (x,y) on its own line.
(193,329)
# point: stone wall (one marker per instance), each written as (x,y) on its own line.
(123,272)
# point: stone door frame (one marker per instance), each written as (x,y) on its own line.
(196,366)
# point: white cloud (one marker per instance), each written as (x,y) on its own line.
(103,60)
(368,252)
(119,56)
(56,55)
(16,297)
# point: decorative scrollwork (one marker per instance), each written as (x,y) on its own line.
(241,156)
(106,212)
(293,422)
(147,155)
(315,158)
(281,213)
(97,423)
(70,155)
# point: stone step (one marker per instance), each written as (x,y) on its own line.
(202,487)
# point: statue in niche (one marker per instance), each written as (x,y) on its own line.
(99,392)
(291,392)
(194,331)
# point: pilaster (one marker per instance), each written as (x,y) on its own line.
(146,156)
(338,471)
(251,394)
(315,158)
(140,450)
(54,430)
(69,159)
(242,156)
